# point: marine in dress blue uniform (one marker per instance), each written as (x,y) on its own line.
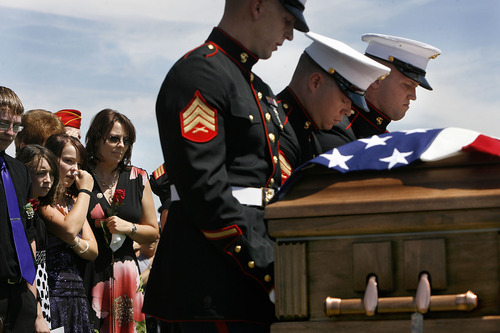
(329,78)
(408,61)
(220,126)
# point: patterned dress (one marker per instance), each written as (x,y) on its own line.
(113,279)
(42,285)
(68,301)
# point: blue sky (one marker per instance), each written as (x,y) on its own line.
(96,54)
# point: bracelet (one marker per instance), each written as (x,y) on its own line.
(81,252)
(75,245)
(85,191)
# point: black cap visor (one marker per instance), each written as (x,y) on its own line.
(353,92)
(410,71)
(296,9)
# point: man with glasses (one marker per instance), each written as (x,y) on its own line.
(18,305)
(219,129)
(329,78)
(388,100)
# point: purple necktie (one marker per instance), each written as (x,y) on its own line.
(22,247)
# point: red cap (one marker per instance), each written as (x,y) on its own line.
(69,117)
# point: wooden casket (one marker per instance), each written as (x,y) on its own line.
(354,250)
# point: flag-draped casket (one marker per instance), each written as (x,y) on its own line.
(386,233)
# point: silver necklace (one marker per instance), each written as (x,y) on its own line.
(110,186)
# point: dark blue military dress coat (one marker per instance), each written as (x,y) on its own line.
(219,127)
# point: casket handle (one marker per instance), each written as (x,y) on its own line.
(458,302)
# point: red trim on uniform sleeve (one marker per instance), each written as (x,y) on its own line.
(230,231)
(286,167)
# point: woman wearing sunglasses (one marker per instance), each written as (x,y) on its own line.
(121,211)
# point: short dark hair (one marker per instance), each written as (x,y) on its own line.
(99,129)
(31,156)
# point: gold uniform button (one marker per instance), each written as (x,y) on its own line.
(271,182)
(275,159)
(251,264)
(379,120)
(251,77)
(352,111)
(243,57)
(210,46)
(267,278)
(237,248)
(285,106)
(307,124)
(272,138)
(250,117)
(259,95)
(268,117)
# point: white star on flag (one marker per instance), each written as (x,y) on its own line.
(375,141)
(337,159)
(417,130)
(397,157)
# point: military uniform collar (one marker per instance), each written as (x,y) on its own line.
(233,49)
(291,104)
(376,118)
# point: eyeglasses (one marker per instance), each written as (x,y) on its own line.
(6,126)
(114,139)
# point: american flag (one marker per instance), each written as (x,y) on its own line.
(398,149)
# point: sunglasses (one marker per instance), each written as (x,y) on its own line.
(114,139)
(6,126)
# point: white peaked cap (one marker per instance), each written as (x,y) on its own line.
(333,55)
(408,51)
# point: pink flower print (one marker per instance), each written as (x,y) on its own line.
(128,299)
(97,214)
(134,172)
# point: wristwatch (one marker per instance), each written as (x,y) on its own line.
(134,230)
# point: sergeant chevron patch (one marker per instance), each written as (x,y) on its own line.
(198,120)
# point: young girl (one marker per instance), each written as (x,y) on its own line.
(44,174)
(71,238)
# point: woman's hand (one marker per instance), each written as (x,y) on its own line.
(84,180)
(117,225)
